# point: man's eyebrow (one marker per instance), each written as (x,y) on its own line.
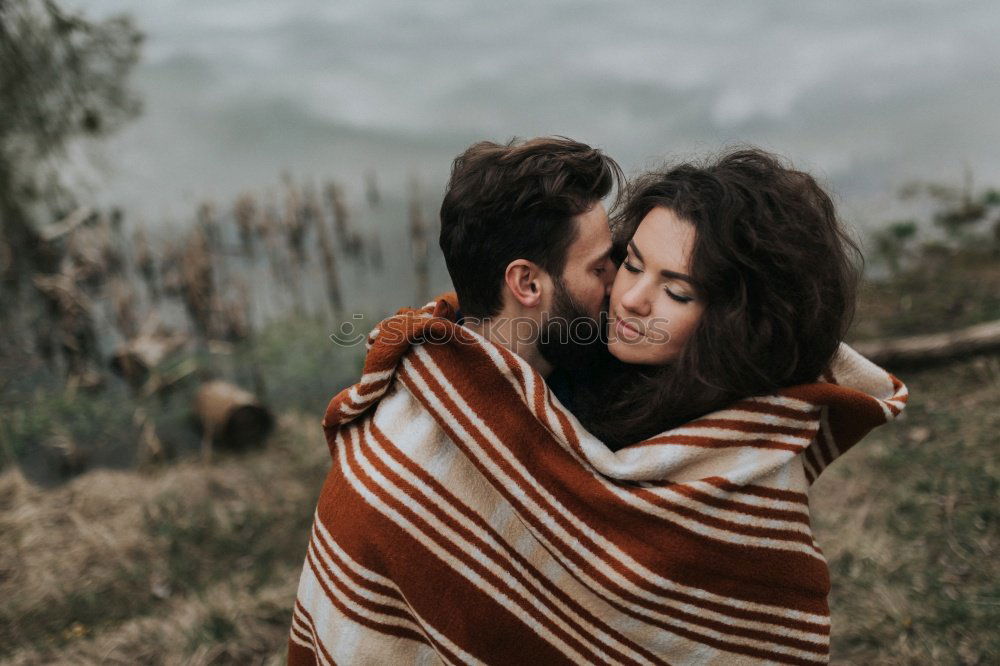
(673,275)
(603,256)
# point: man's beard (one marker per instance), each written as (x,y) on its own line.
(571,337)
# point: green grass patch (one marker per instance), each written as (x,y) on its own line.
(919,581)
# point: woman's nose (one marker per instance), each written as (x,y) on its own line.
(635,300)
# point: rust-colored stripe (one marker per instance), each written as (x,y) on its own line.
(765,492)
(754,428)
(360,600)
(316,639)
(381,627)
(299,655)
(459,553)
(435,592)
(726,504)
(385,590)
(677,539)
(506,550)
(709,442)
(758,407)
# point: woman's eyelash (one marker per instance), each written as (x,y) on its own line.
(677,297)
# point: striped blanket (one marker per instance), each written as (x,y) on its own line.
(469,518)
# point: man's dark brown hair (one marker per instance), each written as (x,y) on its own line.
(516,201)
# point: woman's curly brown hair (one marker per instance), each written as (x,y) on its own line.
(777,273)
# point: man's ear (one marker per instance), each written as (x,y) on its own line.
(522,278)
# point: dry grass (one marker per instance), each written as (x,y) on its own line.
(195,564)
(188,564)
(199,565)
(908,521)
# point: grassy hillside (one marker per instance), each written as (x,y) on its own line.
(908,521)
(198,564)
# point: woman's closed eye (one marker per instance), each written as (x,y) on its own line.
(680,298)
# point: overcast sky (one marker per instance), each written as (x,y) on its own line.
(866,94)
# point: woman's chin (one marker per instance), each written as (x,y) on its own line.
(639,354)
(628,353)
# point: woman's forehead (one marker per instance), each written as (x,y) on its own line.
(665,241)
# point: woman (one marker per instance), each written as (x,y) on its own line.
(736,279)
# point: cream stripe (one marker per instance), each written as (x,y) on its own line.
(360,591)
(306,627)
(501,563)
(808,466)
(364,400)
(329,618)
(827,435)
(298,641)
(473,578)
(517,608)
(347,410)
(785,401)
(737,496)
(898,404)
(432,545)
(732,435)
(885,410)
(375,376)
(734,514)
(737,414)
(363,572)
(371,615)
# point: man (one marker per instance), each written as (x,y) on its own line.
(526,240)
(527,244)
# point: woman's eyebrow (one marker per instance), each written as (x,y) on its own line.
(673,275)
(638,255)
(677,276)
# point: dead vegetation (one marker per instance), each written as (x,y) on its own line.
(193,563)
(909,524)
(186,564)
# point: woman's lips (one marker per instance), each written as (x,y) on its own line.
(626,331)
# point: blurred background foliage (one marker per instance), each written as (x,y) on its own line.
(123,541)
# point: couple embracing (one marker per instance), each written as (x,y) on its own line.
(599,449)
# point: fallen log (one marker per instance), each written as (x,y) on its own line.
(231,418)
(923,350)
